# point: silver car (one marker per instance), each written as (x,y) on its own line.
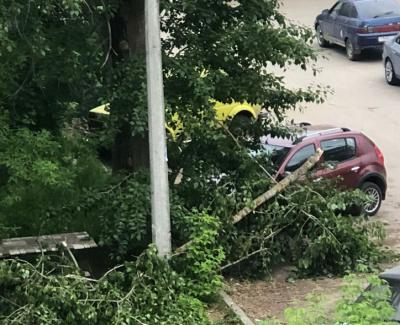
(391,59)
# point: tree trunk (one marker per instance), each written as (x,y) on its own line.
(130,152)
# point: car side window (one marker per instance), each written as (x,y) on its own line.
(336,8)
(398,40)
(353,12)
(339,150)
(300,157)
(345,10)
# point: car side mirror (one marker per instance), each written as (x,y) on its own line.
(326,12)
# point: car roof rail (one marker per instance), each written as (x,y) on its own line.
(318,133)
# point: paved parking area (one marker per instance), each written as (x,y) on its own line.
(361,100)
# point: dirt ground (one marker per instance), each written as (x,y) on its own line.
(361,100)
(266,299)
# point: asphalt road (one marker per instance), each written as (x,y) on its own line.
(361,100)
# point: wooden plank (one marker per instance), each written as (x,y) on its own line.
(49,243)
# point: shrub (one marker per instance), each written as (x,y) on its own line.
(307,225)
(200,265)
(40,173)
(356,306)
(359,307)
(147,291)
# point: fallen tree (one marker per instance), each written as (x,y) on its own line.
(278,188)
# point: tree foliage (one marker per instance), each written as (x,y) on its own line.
(60,59)
(357,305)
(147,291)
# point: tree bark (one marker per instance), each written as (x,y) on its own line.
(130,152)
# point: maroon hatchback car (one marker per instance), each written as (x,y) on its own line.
(348,155)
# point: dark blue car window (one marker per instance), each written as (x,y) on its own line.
(348,10)
(335,9)
(368,9)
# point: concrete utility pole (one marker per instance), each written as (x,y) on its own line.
(161,224)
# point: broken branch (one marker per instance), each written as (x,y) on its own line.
(278,188)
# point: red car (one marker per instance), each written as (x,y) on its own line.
(348,155)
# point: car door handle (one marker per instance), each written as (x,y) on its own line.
(355,169)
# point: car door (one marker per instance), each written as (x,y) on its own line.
(346,23)
(396,55)
(328,25)
(340,160)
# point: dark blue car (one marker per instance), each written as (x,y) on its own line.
(358,25)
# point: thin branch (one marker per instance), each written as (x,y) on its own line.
(226,129)
(110,271)
(109,44)
(275,190)
(272,235)
(244,258)
(279,187)
(319,222)
(111,189)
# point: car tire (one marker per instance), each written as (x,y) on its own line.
(350,51)
(375,191)
(390,74)
(322,42)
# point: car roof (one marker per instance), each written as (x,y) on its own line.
(305,133)
(354,1)
(357,1)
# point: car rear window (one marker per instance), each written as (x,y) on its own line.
(377,8)
(338,150)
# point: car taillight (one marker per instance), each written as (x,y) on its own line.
(394,27)
(379,155)
(364,30)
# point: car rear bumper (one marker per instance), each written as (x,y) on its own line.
(372,41)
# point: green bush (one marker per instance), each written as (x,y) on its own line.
(360,307)
(356,306)
(147,291)
(41,173)
(308,225)
(201,263)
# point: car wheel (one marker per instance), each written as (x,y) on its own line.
(240,123)
(320,37)
(375,194)
(350,51)
(390,74)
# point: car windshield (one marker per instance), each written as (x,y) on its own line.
(277,153)
(368,9)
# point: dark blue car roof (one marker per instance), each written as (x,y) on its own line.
(393,4)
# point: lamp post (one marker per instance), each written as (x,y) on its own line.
(161,224)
